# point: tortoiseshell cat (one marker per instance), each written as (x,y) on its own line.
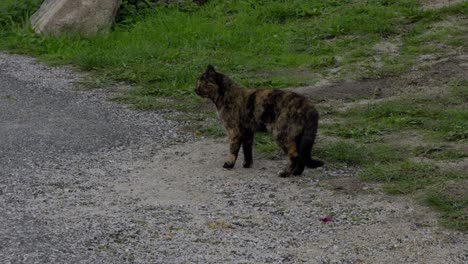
(290,117)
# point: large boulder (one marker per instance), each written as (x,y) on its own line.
(86,17)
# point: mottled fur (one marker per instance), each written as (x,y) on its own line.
(290,117)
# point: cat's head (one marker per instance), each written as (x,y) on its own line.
(211,84)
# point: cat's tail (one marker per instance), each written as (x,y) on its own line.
(307,140)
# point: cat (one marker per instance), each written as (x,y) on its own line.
(291,118)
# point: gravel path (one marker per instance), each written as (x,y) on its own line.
(84,180)
(61,150)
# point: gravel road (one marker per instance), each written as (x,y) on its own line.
(61,152)
(85,180)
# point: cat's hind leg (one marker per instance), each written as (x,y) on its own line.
(306,141)
(300,166)
(293,159)
(247,142)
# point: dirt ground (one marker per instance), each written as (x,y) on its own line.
(252,216)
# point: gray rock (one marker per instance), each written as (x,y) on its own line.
(87,17)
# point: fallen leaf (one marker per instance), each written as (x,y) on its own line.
(9,97)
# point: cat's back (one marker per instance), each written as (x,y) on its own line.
(277,99)
(266,105)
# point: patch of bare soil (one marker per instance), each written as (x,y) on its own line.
(461,165)
(433,4)
(349,185)
(430,75)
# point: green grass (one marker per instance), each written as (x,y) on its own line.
(164,50)
(15,13)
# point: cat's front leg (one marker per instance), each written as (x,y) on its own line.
(234,146)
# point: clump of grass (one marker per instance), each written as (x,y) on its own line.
(355,154)
(265,144)
(407,176)
(343,152)
(453,208)
(215,130)
(14,13)
(460,90)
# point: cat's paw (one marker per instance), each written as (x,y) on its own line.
(298,171)
(316,163)
(228,165)
(284,174)
(247,164)
(312,163)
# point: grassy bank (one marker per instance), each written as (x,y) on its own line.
(259,43)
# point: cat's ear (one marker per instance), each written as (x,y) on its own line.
(210,69)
